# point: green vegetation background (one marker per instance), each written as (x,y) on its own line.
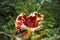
(10,9)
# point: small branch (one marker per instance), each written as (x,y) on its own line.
(5,34)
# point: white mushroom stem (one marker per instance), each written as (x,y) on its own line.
(17,38)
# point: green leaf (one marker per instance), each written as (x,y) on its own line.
(49,1)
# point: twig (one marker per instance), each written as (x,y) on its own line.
(5,33)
